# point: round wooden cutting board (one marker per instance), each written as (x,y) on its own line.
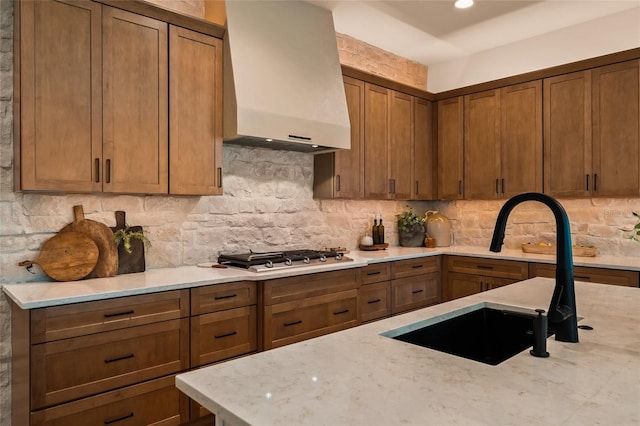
(67,256)
(107,265)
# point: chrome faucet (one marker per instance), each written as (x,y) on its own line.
(562,313)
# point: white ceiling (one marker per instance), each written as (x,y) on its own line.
(433,31)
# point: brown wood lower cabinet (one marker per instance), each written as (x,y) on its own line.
(70,369)
(461,285)
(157,402)
(415,292)
(465,275)
(374,295)
(589,274)
(415,283)
(299,308)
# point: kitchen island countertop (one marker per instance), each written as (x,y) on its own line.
(358,377)
(31,295)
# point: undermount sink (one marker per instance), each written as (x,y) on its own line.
(487,333)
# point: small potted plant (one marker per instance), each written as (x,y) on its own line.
(125,235)
(411,230)
(635,231)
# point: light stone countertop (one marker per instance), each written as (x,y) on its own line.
(49,293)
(357,377)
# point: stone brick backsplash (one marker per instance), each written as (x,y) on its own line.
(267,204)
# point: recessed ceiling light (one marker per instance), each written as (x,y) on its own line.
(463,4)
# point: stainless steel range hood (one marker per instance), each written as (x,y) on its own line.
(283,86)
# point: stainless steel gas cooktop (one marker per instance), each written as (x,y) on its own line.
(269,261)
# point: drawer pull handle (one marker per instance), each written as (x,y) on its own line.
(220,336)
(583,277)
(107,361)
(118,314)
(417,266)
(485,267)
(230,296)
(374,273)
(288,324)
(128,416)
(417,291)
(374,301)
(341,312)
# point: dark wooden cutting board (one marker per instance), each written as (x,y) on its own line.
(129,262)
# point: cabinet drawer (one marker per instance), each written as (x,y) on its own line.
(291,322)
(415,292)
(219,297)
(157,402)
(488,267)
(375,301)
(417,266)
(375,273)
(222,335)
(61,322)
(588,274)
(293,289)
(69,369)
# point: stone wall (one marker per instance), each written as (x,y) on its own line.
(373,60)
(267,203)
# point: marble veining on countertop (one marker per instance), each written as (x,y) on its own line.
(357,377)
(48,293)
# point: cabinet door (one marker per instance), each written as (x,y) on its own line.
(221,335)
(376,136)
(135,86)
(415,292)
(616,129)
(60,96)
(521,139)
(567,135)
(74,368)
(461,285)
(400,146)
(349,176)
(195,113)
(489,283)
(482,145)
(375,301)
(450,148)
(156,402)
(423,152)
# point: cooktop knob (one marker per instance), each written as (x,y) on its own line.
(269,264)
(323,258)
(288,262)
(338,256)
(306,260)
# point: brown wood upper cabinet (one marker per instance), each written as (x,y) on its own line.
(391,155)
(424,159)
(388,143)
(592,132)
(503,141)
(92,102)
(339,174)
(450,148)
(195,121)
